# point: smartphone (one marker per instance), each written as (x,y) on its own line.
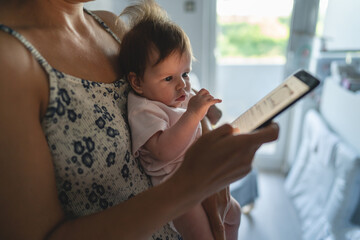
(277,101)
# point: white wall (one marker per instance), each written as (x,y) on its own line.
(341,25)
(115,6)
(191,22)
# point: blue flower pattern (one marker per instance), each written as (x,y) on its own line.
(88,136)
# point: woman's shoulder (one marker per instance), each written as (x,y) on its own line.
(14,57)
(19,70)
(112,21)
(10,49)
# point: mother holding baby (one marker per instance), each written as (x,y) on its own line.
(66,168)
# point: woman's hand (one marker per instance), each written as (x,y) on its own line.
(222,156)
(216,205)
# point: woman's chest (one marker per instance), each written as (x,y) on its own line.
(92,56)
(89,139)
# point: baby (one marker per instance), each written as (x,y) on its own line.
(164,114)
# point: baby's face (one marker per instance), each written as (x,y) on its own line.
(168,82)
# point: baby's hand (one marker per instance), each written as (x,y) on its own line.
(200,103)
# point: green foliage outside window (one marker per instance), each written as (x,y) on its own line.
(243,39)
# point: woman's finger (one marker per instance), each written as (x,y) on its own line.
(221,131)
(265,134)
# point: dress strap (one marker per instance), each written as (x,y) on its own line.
(41,60)
(103,24)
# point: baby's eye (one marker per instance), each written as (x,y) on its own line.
(168,78)
(185,75)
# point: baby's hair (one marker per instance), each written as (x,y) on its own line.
(150,29)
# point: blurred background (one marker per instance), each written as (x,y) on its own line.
(305,185)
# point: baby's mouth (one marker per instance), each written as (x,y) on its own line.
(181,98)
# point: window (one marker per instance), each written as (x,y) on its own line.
(250,33)
(252,38)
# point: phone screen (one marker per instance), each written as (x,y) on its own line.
(272,104)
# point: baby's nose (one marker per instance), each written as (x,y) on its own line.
(181,83)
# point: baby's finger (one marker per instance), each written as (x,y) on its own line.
(203,91)
(216,100)
(209,97)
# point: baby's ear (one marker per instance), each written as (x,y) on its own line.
(135,82)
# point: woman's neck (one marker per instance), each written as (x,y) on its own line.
(42,13)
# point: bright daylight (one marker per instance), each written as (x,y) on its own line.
(253,30)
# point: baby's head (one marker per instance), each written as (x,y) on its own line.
(154,47)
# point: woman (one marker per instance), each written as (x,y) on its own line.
(65,167)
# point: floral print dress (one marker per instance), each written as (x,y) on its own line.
(89,138)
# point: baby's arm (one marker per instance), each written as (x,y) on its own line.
(166,145)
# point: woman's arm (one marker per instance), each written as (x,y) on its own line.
(29,204)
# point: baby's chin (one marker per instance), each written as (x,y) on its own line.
(176,104)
